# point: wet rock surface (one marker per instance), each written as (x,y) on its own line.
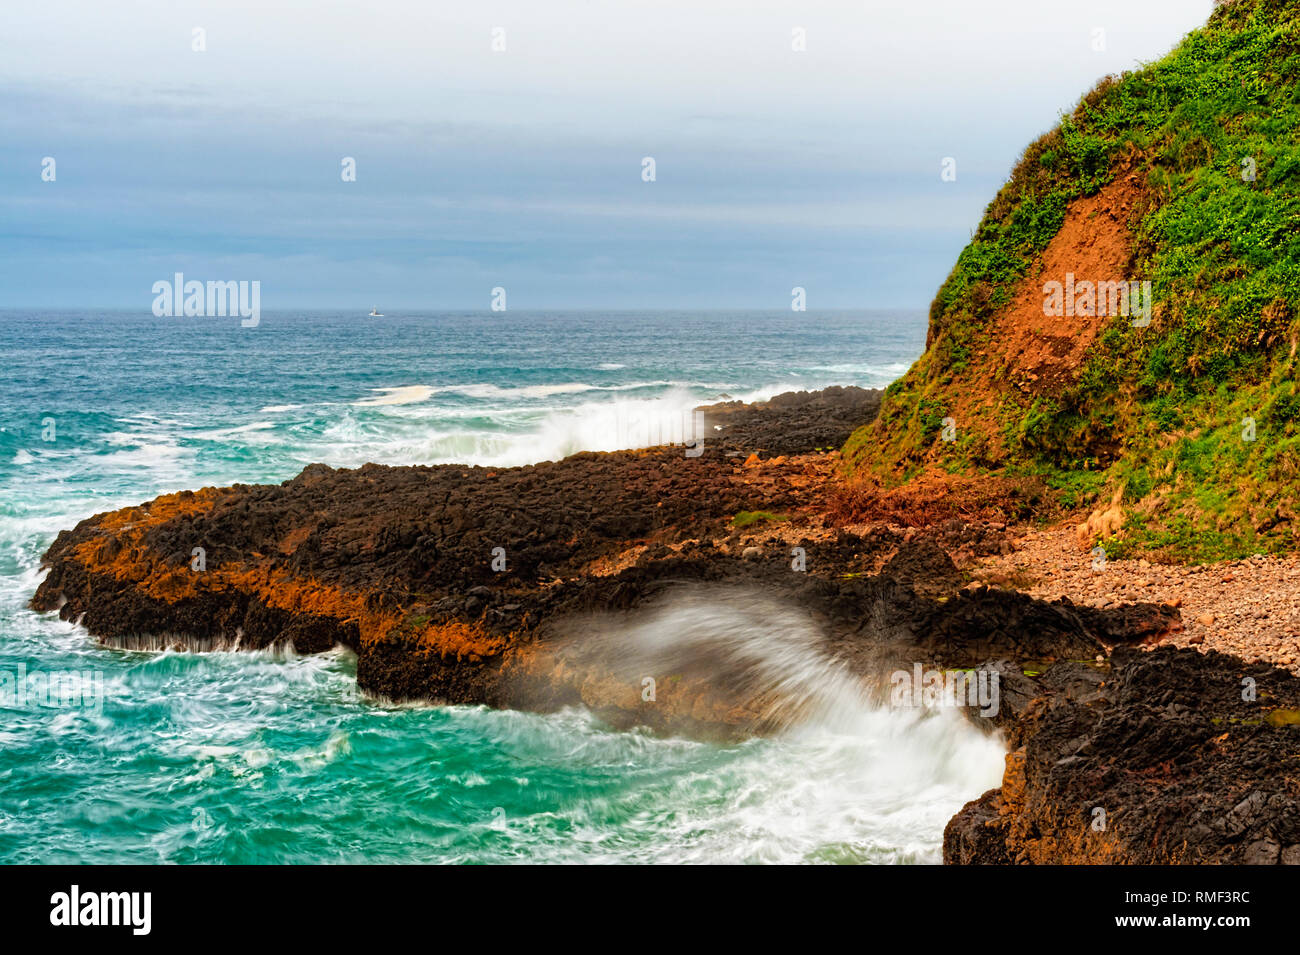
(504,586)
(794,422)
(435,574)
(1166,763)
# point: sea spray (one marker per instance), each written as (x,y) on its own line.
(254,742)
(762,656)
(750,651)
(838,774)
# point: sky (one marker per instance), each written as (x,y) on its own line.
(523,168)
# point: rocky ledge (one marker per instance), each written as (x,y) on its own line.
(519,587)
(1162,757)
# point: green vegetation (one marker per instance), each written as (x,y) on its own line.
(1197,416)
(746,518)
(1284,718)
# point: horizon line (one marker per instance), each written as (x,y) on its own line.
(532,310)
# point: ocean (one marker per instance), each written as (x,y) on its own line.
(230,757)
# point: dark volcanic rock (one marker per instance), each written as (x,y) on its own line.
(924,567)
(463,584)
(795,422)
(1132,623)
(454,567)
(1169,764)
(979,838)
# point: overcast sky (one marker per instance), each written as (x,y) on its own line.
(522,168)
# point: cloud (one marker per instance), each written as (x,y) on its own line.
(821,163)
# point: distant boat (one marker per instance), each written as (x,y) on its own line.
(375,313)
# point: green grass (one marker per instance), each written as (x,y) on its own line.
(748,518)
(1158,410)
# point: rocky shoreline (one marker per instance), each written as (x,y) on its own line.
(503,586)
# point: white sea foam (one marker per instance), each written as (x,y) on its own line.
(843,781)
(403,395)
(486,391)
(519,431)
(872,372)
(496,392)
(522,391)
(127,439)
(143,456)
(223,434)
(838,783)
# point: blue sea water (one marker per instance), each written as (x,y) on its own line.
(261,757)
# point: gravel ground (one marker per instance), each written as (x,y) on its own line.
(1250,608)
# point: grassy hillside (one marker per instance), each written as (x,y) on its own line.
(1161,414)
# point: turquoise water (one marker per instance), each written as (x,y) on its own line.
(228,757)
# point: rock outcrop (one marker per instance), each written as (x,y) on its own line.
(1162,757)
(448,581)
(524,587)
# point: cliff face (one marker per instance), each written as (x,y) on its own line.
(1184,175)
